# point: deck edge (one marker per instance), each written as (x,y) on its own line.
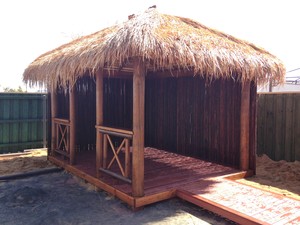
(98,183)
(147,200)
(238,175)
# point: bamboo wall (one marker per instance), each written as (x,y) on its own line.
(63,103)
(85,113)
(118,102)
(183,115)
(278,133)
(191,117)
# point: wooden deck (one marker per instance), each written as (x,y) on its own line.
(205,184)
(165,172)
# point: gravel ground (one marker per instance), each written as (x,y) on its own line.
(60,198)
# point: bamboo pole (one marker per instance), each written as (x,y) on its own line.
(53,115)
(72,123)
(138,129)
(99,120)
(245,126)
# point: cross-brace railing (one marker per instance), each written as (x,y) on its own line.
(62,136)
(124,168)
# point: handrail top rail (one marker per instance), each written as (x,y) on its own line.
(61,121)
(115,130)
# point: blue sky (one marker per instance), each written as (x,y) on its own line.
(32,27)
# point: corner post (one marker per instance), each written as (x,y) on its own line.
(138,129)
(99,120)
(72,112)
(245,126)
(53,116)
(44,121)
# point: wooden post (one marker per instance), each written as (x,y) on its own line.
(99,120)
(72,112)
(127,158)
(104,151)
(138,129)
(53,115)
(270,85)
(44,121)
(245,126)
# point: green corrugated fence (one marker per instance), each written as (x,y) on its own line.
(278,126)
(23,121)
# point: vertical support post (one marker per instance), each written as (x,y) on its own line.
(138,129)
(270,85)
(72,96)
(99,120)
(127,158)
(104,151)
(245,126)
(253,128)
(53,115)
(44,97)
(56,135)
(68,139)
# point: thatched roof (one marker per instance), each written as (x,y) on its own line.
(164,43)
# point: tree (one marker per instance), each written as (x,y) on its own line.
(11,90)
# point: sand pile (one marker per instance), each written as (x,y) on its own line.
(33,160)
(281,177)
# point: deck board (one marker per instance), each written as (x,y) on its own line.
(163,170)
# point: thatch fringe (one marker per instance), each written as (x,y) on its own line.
(163,42)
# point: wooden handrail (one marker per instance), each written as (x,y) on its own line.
(62,121)
(114,130)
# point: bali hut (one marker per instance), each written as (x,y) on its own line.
(141,108)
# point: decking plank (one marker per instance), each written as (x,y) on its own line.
(163,170)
